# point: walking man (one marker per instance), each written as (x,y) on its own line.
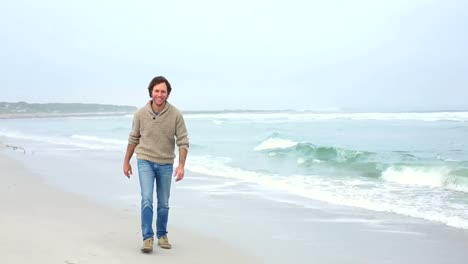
(156,129)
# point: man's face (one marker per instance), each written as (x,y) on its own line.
(159,94)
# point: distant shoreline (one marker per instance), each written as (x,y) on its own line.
(58,115)
(49,110)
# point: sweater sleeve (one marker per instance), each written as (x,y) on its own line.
(181,133)
(134,137)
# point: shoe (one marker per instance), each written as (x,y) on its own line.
(147,245)
(163,242)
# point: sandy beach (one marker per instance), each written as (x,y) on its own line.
(41,224)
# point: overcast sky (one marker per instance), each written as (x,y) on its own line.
(243,54)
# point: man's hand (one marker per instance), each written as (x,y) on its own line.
(179,173)
(127,169)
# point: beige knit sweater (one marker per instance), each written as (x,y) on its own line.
(155,136)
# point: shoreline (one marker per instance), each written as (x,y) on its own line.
(42,224)
(59,115)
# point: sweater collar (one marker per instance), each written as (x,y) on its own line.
(150,109)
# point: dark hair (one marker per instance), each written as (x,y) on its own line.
(157,80)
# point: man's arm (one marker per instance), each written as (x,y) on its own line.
(127,168)
(133,141)
(183,144)
(179,172)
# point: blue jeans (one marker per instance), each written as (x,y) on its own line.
(148,173)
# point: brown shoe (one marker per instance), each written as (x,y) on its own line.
(163,242)
(147,245)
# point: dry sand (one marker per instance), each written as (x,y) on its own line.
(41,224)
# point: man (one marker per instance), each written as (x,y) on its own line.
(156,128)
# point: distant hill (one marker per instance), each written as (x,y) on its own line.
(23,108)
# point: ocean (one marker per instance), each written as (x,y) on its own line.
(408,164)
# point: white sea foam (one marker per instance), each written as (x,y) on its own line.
(100,117)
(100,140)
(364,193)
(301,161)
(275,143)
(417,176)
(438,177)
